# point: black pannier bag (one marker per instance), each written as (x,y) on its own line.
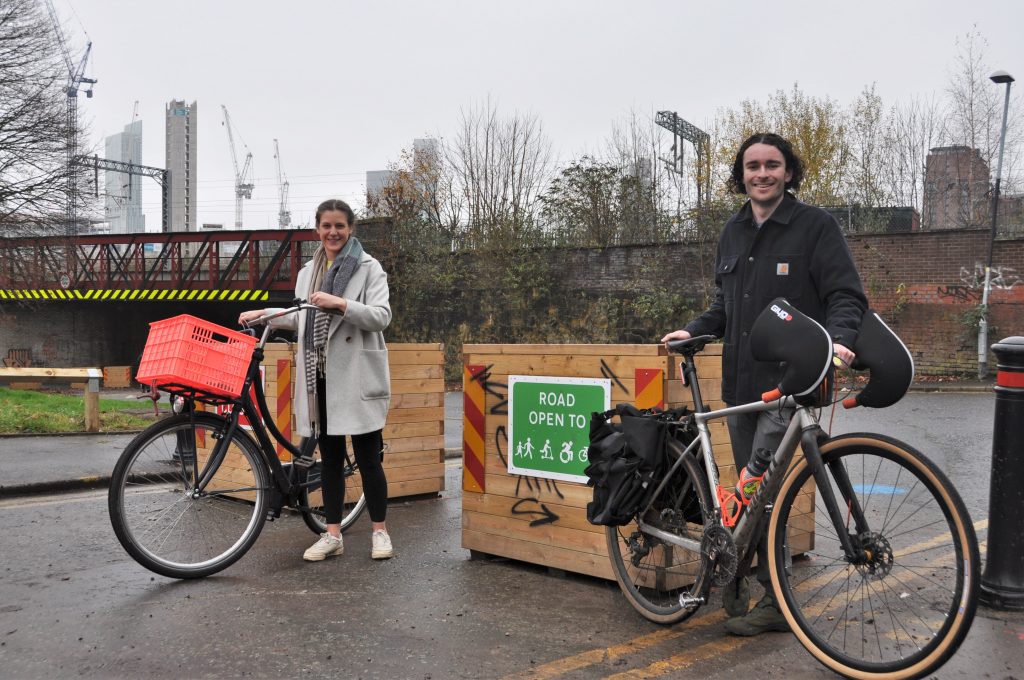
(626,460)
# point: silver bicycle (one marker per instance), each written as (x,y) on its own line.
(873,557)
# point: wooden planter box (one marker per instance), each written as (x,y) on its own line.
(117,376)
(413,435)
(544,521)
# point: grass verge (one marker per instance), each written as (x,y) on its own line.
(30,412)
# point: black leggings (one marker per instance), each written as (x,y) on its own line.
(369,453)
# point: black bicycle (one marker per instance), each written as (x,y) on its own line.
(190,494)
(872,555)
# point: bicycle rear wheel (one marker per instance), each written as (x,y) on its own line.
(159,517)
(652,572)
(906,607)
(312,496)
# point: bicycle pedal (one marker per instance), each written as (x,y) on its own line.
(304,462)
(273,513)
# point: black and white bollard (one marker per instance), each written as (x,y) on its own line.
(1002,582)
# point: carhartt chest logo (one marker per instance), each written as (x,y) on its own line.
(782,269)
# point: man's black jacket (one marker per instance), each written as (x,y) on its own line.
(800,254)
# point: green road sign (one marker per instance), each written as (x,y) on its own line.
(549,424)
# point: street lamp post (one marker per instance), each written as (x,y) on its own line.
(998,77)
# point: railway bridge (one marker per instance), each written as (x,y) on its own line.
(88,300)
(213,266)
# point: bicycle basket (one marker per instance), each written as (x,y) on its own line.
(188,352)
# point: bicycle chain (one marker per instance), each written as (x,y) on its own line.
(718,547)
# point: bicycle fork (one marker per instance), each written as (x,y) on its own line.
(810,434)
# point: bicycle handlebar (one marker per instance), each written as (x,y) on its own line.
(297,305)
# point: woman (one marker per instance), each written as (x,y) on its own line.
(342,369)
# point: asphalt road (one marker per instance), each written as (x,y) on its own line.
(73,604)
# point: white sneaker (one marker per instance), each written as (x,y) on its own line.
(382,548)
(326,547)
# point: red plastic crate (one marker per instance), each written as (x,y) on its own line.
(185,350)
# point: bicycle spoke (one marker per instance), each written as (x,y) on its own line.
(898,602)
(155,515)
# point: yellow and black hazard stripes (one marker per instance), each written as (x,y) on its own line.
(118,295)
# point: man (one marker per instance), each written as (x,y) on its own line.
(775,246)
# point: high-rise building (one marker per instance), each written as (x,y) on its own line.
(376,180)
(424,152)
(424,159)
(182,132)
(122,206)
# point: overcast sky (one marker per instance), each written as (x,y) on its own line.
(345,86)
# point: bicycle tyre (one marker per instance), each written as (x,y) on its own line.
(311,497)
(903,613)
(155,515)
(651,573)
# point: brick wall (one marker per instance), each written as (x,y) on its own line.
(925,284)
(929,285)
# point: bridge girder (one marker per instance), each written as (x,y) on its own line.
(155,266)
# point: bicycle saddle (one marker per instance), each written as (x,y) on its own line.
(891,366)
(783,333)
(690,346)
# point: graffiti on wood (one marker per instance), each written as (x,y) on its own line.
(544,514)
(607,372)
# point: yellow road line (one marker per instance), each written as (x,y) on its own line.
(685,659)
(675,662)
(594,656)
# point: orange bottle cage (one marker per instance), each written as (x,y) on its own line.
(731,506)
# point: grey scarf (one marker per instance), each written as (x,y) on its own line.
(319,323)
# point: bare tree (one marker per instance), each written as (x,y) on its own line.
(651,197)
(869,130)
(914,128)
(974,103)
(973,121)
(501,165)
(33,123)
(422,188)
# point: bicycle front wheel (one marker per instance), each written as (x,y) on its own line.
(655,575)
(902,607)
(163,521)
(312,495)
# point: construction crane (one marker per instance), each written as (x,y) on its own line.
(243,177)
(76,78)
(284,216)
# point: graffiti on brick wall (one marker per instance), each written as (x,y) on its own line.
(959,293)
(1002,278)
(972,283)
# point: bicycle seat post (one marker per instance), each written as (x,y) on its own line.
(688,348)
(689,368)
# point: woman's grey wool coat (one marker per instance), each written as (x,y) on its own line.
(358,379)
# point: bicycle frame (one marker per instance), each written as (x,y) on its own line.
(803,430)
(260,427)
